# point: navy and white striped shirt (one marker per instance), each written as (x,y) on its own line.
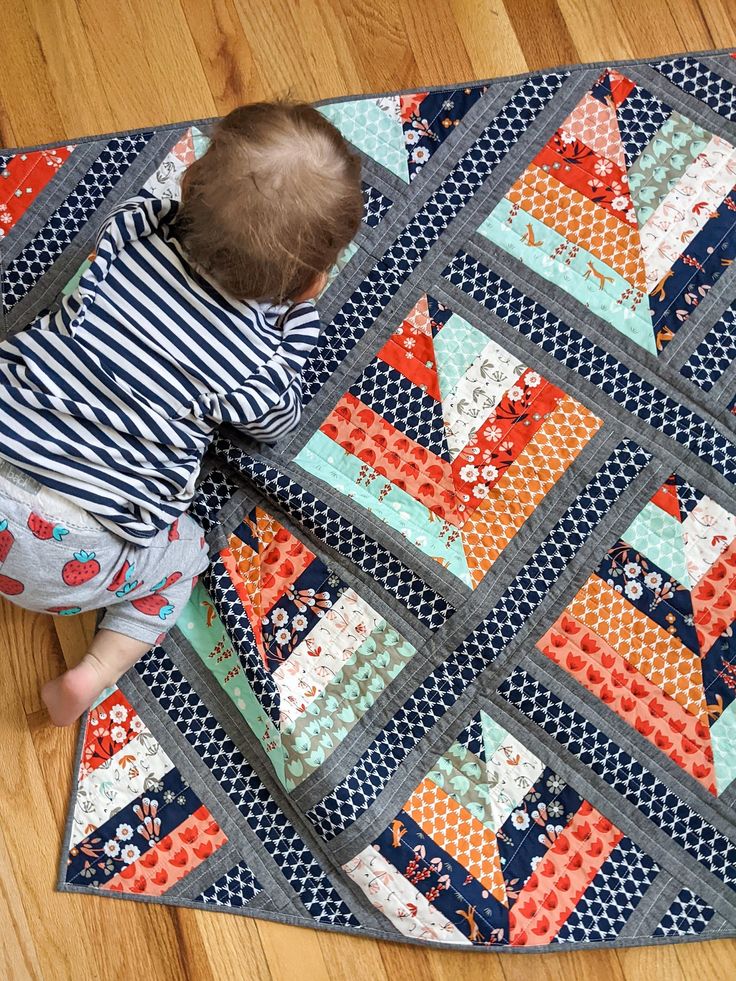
(112,401)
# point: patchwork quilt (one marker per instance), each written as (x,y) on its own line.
(463,668)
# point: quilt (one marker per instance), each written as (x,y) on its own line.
(463,668)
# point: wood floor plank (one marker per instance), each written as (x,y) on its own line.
(541,32)
(34,649)
(59,30)
(55,750)
(597,38)
(27,91)
(388,62)
(302,49)
(646,963)
(147,62)
(437,32)
(404,961)
(720,16)
(361,953)
(715,961)
(457,964)
(32,814)
(31,841)
(666,26)
(489,38)
(75,634)
(233,948)
(190,927)
(18,956)
(225,54)
(599,965)
(291,952)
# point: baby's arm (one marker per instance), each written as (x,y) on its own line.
(277,421)
(269,403)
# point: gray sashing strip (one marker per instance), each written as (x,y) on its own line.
(653,905)
(665,890)
(724,391)
(423,755)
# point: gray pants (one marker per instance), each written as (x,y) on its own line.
(56,557)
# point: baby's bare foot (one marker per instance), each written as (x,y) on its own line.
(108,658)
(67,696)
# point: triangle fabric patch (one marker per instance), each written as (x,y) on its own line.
(373,126)
(23,177)
(429,118)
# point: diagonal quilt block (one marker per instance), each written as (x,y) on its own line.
(651,631)
(137,826)
(446,868)
(305,643)
(629,207)
(449,440)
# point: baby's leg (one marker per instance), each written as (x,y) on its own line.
(149,589)
(109,656)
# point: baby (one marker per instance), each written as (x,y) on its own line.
(191,315)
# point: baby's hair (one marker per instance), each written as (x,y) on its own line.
(272,203)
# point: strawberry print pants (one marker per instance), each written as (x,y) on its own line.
(57,558)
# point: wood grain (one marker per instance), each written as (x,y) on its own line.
(71,67)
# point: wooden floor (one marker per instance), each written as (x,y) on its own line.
(73,68)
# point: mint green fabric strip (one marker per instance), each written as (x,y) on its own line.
(462,776)
(325,459)
(200,142)
(348,252)
(723,742)
(315,734)
(663,162)
(74,281)
(569,269)
(213,646)
(493,734)
(456,347)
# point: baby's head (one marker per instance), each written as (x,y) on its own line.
(273,202)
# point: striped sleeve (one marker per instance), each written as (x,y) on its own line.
(269,404)
(133,219)
(279,420)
